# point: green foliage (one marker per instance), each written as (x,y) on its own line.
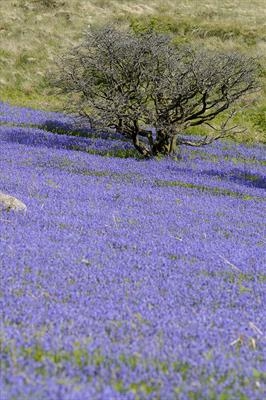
(186,30)
(142,388)
(48,3)
(80,357)
(156,23)
(258,118)
(259,375)
(131,361)
(214,190)
(182,368)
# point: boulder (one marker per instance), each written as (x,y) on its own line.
(8,203)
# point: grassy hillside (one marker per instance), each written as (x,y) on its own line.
(34,32)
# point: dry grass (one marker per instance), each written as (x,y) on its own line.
(34,32)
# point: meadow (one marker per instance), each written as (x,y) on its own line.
(129,278)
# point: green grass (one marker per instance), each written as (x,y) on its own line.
(81,358)
(31,40)
(216,191)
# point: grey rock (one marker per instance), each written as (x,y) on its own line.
(8,203)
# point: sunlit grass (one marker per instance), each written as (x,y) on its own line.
(31,40)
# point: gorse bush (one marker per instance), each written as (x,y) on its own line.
(151,90)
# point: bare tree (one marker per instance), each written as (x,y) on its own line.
(131,83)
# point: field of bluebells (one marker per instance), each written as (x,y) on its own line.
(128,278)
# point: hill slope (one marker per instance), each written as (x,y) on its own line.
(130,279)
(34,32)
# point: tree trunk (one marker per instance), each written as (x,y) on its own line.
(173,144)
(140,146)
(165,144)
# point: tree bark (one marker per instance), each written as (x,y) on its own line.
(165,144)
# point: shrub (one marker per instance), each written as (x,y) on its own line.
(47,3)
(151,90)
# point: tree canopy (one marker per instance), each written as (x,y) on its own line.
(151,90)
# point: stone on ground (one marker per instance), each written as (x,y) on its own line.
(8,203)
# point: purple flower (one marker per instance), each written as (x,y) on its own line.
(128,278)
